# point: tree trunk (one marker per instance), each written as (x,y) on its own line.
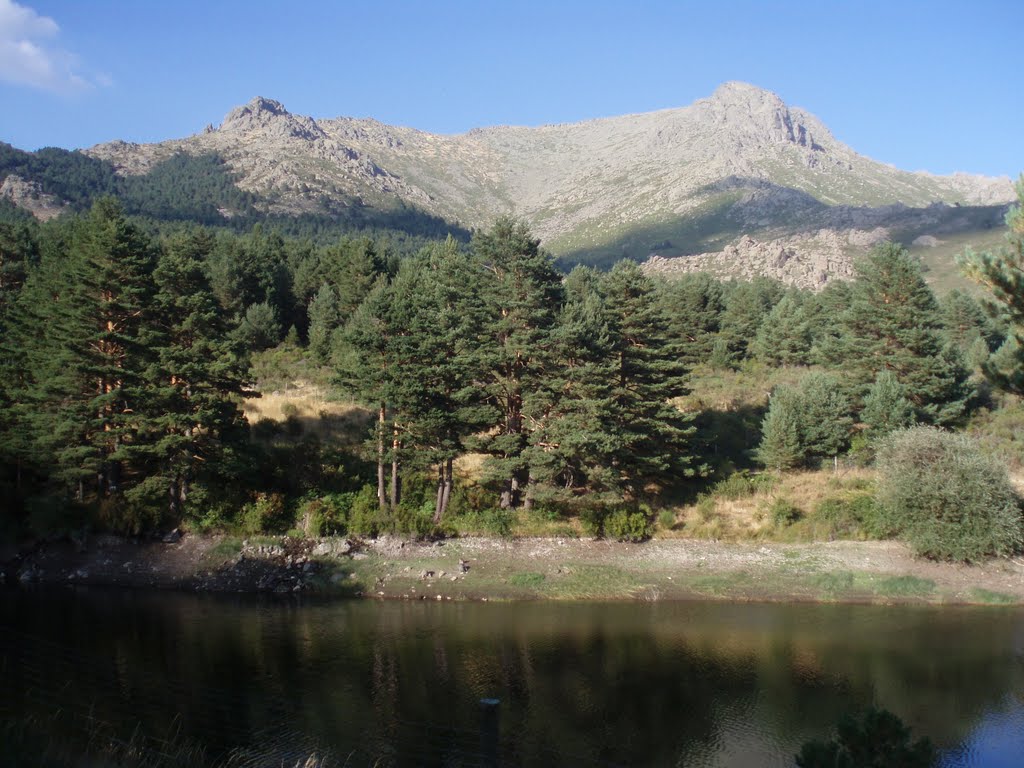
(445,481)
(449,481)
(395,484)
(172,503)
(383,415)
(510,495)
(439,504)
(114,477)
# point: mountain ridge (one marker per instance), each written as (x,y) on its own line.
(673,183)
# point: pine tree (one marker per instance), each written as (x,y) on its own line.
(251,270)
(19,254)
(324,320)
(746,306)
(353,269)
(893,324)
(824,312)
(364,356)
(1002,272)
(825,420)
(693,304)
(886,409)
(654,438)
(523,294)
(119,338)
(85,325)
(780,446)
(573,449)
(199,377)
(437,315)
(784,337)
(259,328)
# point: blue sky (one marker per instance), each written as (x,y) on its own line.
(922,85)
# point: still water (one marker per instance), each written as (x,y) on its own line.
(259,682)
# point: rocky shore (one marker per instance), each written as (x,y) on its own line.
(519,569)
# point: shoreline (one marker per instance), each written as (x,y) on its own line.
(494,569)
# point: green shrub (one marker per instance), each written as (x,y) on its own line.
(263,514)
(667,519)
(625,525)
(592,521)
(741,485)
(836,514)
(209,509)
(325,515)
(948,500)
(846,517)
(467,498)
(293,426)
(365,517)
(497,521)
(706,509)
(415,521)
(783,512)
(140,509)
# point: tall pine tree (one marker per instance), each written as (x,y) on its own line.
(1002,272)
(523,294)
(893,324)
(654,438)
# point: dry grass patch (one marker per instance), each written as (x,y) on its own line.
(308,407)
(783,507)
(469,465)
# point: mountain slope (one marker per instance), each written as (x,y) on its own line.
(673,182)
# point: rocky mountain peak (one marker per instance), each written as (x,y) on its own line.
(269,116)
(682,183)
(760,117)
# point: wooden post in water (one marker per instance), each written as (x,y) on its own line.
(489,733)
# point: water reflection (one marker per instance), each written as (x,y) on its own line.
(699,684)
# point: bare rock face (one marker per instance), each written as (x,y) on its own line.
(270,118)
(28,195)
(806,261)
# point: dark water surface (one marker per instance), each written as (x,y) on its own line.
(687,684)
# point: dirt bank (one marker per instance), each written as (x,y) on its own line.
(560,569)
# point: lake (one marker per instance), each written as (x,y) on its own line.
(258,682)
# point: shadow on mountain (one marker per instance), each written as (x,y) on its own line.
(739,205)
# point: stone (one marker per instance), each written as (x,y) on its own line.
(173,537)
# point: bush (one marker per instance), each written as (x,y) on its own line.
(415,521)
(263,514)
(783,513)
(497,521)
(667,519)
(741,485)
(854,516)
(326,515)
(624,525)
(365,517)
(946,498)
(592,521)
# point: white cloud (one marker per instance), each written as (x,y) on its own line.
(30,55)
